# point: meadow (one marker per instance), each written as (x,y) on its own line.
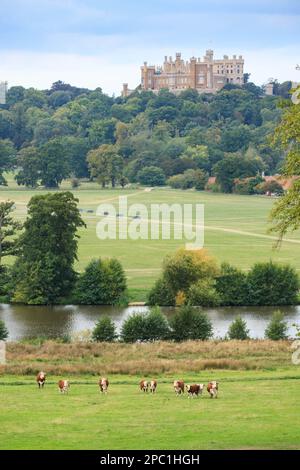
(236,230)
(254,410)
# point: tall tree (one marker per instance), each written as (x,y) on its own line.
(7,155)
(8,230)
(44,270)
(105,164)
(29,163)
(54,164)
(286,213)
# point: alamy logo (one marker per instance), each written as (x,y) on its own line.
(2,352)
(296,96)
(154,222)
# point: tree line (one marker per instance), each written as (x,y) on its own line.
(48,136)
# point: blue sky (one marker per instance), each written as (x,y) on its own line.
(103,43)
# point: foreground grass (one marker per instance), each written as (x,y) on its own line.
(145,359)
(254,410)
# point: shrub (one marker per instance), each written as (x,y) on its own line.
(3,331)
(185,268)
(152,326)
(247,185)
(161,294)
(231,285)
(156,325)
(277,327)
(272,187)
(105,330)
(134,328)
(190,323)
(238,329)
(102,283)
(189,179)
(272,284)
(203,293)
(75,183)
(152,176)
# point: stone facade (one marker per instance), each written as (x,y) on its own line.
(206,76)
(3,91)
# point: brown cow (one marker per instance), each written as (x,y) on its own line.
(144,386)
(153,385)
(178,387)
(194,390)
(212,389)
(41,379)
(103,384)
(63,386)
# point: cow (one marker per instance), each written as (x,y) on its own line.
(144,385)
(212,389)
(63,386)
(153,385)
(178,387)
(103,384)
(41,379)
(194,390)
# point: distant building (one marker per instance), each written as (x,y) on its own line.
(3,91)
(269,89)
(207,75)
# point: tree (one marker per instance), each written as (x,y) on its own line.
(286,213)
(185,268)
(44,270)
(7,155)
(133,328)
(231,285)
(203,293)
(236,166)
(54,164)
(29,162)
(238,329)
(161,294)
(272,284)
(105,164)
(102,283)
(8,230)
(105,331)
(156,325)
(190,323)
(151,176)
(3,331)
(277,328)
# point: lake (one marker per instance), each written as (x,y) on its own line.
(57,321)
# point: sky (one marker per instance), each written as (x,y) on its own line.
(103,43)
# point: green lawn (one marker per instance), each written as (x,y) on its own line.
(254,410)
(235,230)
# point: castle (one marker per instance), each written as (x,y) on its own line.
(206,76)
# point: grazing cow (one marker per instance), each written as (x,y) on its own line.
(212,389)
(103,384)
(194,390)
(179,387)
(144,386)
(153,385)
(41,379)
(63,386)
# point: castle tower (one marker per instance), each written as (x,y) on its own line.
(3,92)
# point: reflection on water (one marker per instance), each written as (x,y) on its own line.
(30,321)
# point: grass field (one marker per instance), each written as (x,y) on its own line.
(235,230)
(255,410)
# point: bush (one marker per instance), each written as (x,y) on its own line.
(75,183)
(134,328)
(269,187)
(151,176)
(232,286)
(203,293)
(102,283)
(152,326)
(238,329)
(189,179)
(185,268)
(161,294)
(105,330)
(247,185)
(190,323)
(156,325)
(3,331)
(277,328)
(272,284)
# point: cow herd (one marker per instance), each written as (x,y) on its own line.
(145,386)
